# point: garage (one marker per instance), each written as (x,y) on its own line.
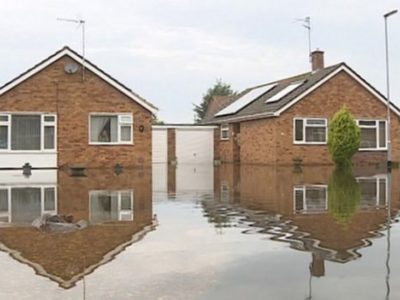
(194,145)
(188,144)
(159,144)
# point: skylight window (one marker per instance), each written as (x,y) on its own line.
(284,92)
(245,100)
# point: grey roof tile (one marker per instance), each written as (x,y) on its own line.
(259,107)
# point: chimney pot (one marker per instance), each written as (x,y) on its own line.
(317,60)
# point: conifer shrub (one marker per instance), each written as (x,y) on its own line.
(343,137)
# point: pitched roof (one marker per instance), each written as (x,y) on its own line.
(217,103)
(66,258)
(66,51)
(258,108)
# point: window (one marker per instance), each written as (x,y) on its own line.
(309,199)
(373,134)
(4,204)
(224,192)
(21,204)
(111,129)
(111,206)
(310,131)
(373,191)
(27,132)
(225,132)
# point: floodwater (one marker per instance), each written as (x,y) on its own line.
(203,232)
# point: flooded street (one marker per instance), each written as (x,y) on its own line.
(202,232)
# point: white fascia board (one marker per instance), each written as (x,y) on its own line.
(88,66)
(317,85)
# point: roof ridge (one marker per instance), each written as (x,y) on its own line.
(334,66)
(71,53)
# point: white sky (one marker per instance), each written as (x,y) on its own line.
(171,51)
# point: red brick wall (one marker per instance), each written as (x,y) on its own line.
(257,139)
(226,147)
(270,141)
(171,140)
(53,91)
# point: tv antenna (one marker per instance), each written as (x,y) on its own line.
(306,23)
(81,23)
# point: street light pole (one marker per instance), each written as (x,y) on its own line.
(388,127)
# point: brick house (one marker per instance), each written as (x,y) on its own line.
(66,111)
(287,120)
(116,221)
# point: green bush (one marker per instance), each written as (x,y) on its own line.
(344,137)
(344,195)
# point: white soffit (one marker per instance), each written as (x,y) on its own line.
(245,100)
(284,92)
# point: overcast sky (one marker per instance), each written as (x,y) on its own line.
(171,51)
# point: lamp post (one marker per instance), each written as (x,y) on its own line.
(389,142)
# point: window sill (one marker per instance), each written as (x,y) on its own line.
(112,144)
(224,140)
(373,150)
(310,143)
(27,152)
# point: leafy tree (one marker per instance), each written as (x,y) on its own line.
(157,121)
(344,137)
(344,195)
(218,89)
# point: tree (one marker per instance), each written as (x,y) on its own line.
(344,195)
(218,89)
(344,137)
(157,121)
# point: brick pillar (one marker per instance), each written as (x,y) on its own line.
(171,145)
(171,180)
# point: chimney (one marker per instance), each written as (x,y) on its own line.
(317,60)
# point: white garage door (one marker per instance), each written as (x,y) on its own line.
(194,145)
(159,145)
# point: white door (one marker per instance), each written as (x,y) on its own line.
(159,145)
(194,145)
(194,178)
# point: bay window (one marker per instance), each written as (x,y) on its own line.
(310,131)
(373,134)
(111,129)
(27,132)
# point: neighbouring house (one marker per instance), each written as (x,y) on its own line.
(298,208)
(119,209)
(66,111)
(287,120)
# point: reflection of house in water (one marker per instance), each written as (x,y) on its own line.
(183,178)
(119,210)
(24,199)
(295,207)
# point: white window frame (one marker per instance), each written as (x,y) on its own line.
(41,187)
(376,127)
(378,179)
(224,128)
(43,124)
(224,192)
(121,123)
(121,212)
(305,125)
(303,189)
